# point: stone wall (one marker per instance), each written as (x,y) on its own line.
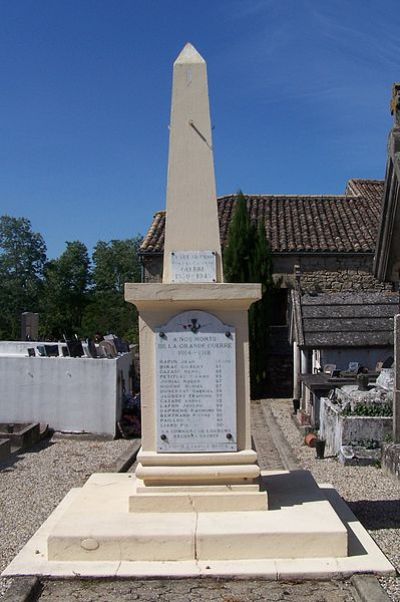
(318,273)
(333,273)
(396,400)
(152,268)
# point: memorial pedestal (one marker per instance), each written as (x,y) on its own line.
(200,378)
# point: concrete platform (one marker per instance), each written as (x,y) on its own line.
(102,539)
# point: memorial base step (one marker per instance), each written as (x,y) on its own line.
(201,475)
(242,498)
(308,532)
(198,498)
(140,487)
(152,458)
(98,526)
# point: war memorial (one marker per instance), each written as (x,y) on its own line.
(198,503)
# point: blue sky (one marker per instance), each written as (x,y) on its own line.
(299,92)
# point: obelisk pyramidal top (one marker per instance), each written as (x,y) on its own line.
(192,217)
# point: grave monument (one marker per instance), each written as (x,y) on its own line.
(29,326)
(197,495)
(193,328)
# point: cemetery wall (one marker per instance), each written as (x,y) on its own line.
(68,394)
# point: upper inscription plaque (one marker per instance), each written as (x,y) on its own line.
(193,266)
(196,384)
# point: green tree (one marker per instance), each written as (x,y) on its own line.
(248,258)
(261,270)
(237,264)
(65,292)
(115,263)
(22,259)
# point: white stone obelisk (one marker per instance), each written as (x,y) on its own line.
(192,236)
(192,220)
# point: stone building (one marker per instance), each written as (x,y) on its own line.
(387,252)
(320,244)
(338,335)
(330,238)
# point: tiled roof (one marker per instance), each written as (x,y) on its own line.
(293,224)
(344,319)
(370,189)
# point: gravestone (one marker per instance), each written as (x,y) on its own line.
(29,326)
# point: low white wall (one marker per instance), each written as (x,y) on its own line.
(69,394)
(21,347)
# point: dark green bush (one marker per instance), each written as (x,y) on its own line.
(364,409)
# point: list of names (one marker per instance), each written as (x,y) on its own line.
(196,389)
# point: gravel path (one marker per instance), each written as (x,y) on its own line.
(34,482)
(371,495)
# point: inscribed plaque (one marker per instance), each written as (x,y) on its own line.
(193,266)
(196,384)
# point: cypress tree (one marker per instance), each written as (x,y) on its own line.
(237,264)
(260,312)
(248,258)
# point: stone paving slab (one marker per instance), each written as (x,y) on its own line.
(188,590)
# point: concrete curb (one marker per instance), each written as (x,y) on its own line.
(125,461)
(289,461)
(369,589)
(23,589)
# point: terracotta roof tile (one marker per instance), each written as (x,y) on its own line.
(337,224)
